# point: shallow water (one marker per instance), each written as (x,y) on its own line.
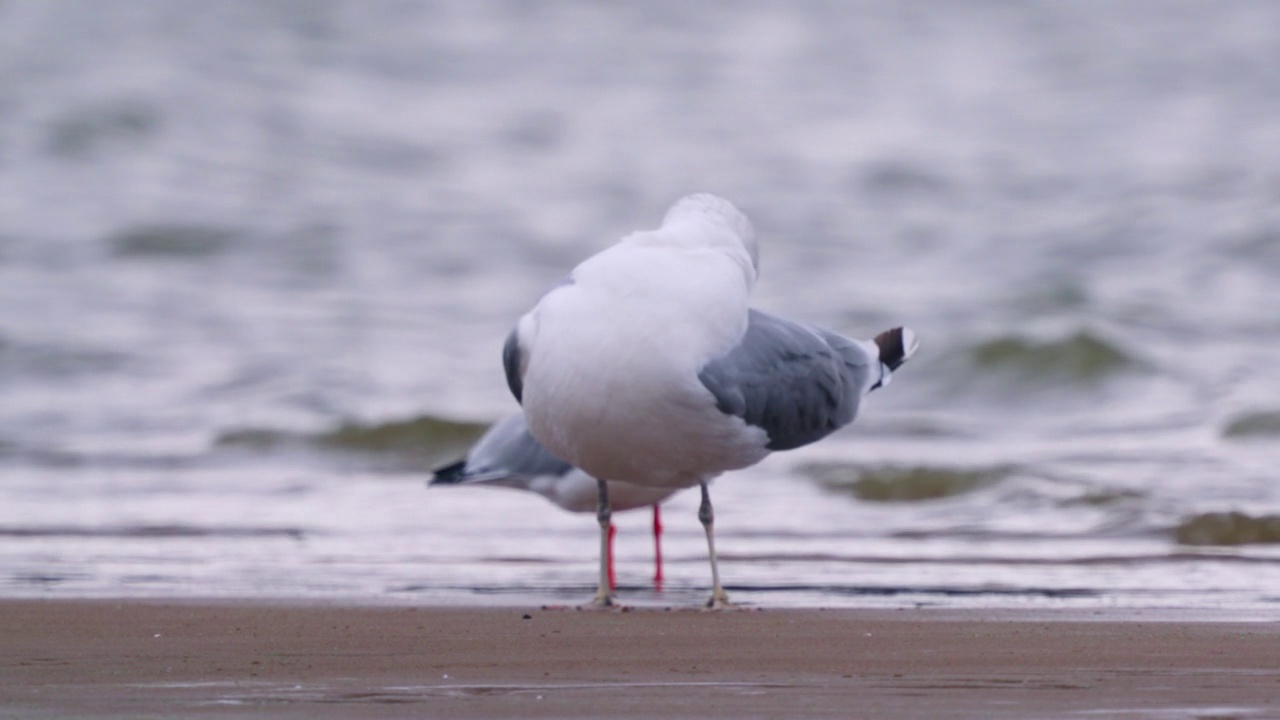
(257,262)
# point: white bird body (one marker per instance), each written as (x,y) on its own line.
(577,492)
(636,412)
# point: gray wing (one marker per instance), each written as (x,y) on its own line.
(797,383)
(506,450)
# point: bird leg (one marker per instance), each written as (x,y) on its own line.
(604,515)
(707,516)
(657,548)
(613,577)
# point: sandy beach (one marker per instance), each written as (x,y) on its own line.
(81,659)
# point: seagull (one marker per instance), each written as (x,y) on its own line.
(646,365)
(508,456)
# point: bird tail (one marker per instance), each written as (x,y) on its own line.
(465,473)
(896,346)
(451,474)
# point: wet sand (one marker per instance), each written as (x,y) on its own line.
(99,659)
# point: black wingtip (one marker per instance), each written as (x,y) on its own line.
(513,364)
(896,346)
(451,474)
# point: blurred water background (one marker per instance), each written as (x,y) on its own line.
(257,261)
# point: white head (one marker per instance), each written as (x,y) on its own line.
(713,211)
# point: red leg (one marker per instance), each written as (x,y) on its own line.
(657,548)
(613,579)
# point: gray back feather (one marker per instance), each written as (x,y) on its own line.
(797,383)
(508,449)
